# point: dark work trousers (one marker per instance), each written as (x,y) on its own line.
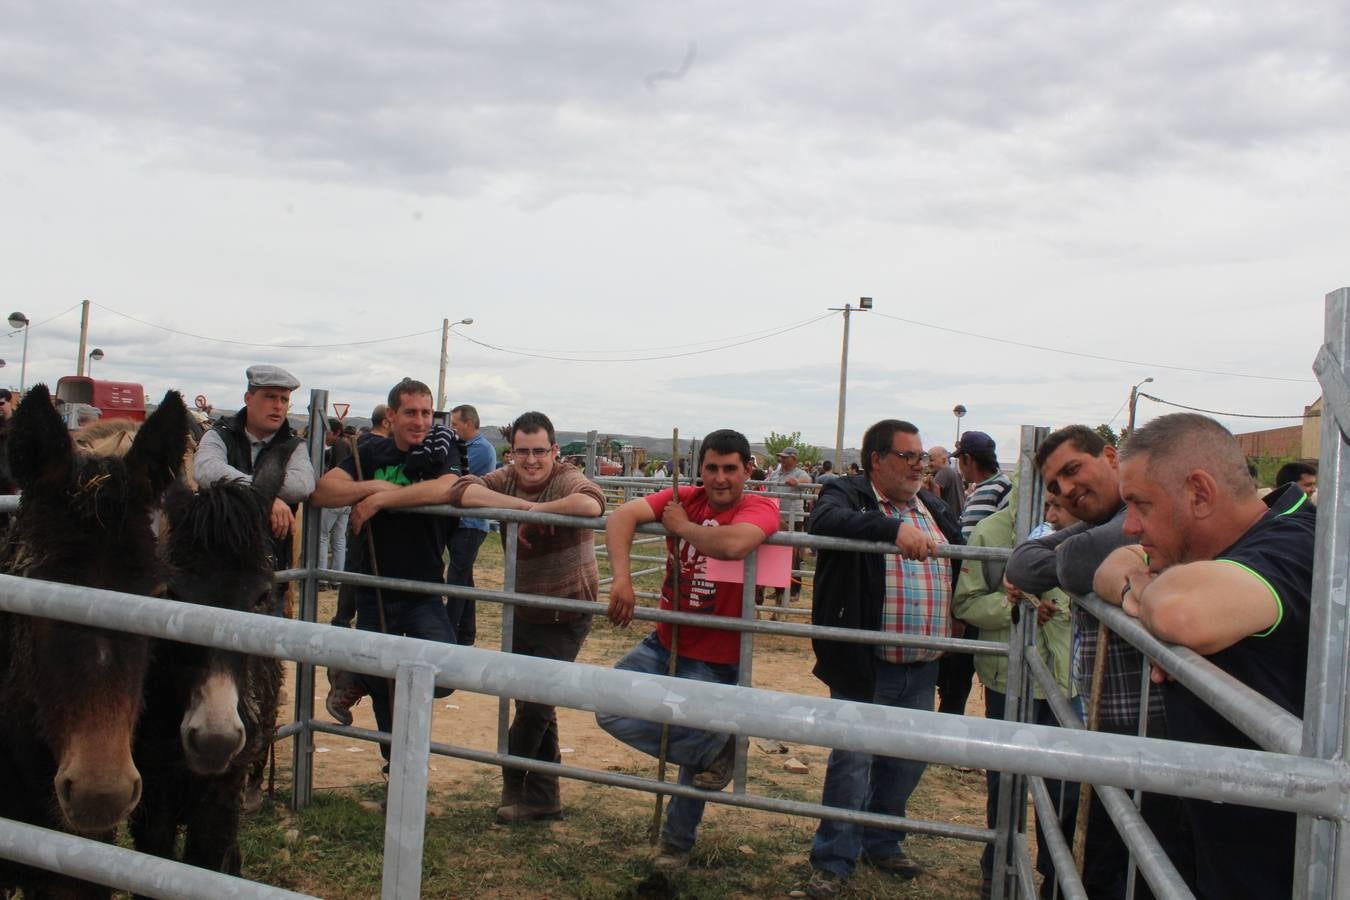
(463,611)
(534,731)
(1105,855)
(955,671)
(413,615)
(994,706)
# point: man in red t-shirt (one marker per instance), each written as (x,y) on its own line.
(715,520)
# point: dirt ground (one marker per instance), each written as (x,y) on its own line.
(467,719)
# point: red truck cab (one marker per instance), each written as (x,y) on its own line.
(115,399)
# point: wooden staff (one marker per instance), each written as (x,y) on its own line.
(655,832)
(374,569)
(1094,716)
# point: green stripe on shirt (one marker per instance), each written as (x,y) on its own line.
(1279,604)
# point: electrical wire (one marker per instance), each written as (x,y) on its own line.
(219,340)
(1226,415)
(715,340)
(1115,359)
(31,325)
(727,346)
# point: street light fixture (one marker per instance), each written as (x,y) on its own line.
(959,411)
(445,358)
(1134,401)
(18,320)
(94,356)
(864,304)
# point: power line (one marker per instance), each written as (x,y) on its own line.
(726,346)
(1115,359)
(768,332)
(46,320)
(219,340)
(1226,415)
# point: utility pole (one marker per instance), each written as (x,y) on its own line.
(84,336)
(445,359)
(1134,401)
(864,304)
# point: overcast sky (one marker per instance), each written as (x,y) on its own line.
(1160,183)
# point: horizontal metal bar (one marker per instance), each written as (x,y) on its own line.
(1066,871)
(1224,774)
(118,867)
(724,623)
(1254,714)
(786,538)
(652,786)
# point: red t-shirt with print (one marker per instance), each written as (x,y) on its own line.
(697,593)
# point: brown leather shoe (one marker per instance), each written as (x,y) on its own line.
(521,812)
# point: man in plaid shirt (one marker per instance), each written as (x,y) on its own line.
(904,593)
(1081,469)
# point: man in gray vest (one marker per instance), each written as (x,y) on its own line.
(231,450)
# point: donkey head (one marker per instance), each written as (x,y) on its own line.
(86,521)
(219,549)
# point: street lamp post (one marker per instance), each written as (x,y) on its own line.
(18,320)
(445,359)
(959,411)
(864,304)
(94,356)
(1134,401)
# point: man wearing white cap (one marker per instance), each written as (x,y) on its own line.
(231,450)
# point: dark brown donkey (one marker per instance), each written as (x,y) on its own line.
(70,695)
(209,713)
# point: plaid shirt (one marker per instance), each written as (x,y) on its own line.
(1125,665)
(918,591)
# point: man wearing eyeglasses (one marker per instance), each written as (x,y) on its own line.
(556,561)
(907,593)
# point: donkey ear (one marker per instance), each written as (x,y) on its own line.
(271,472)
(40,448)
(156,456)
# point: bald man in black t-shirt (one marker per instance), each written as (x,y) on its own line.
(1228,575)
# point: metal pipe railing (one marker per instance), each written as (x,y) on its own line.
(1222,774)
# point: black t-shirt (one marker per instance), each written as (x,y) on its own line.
(407,544)
(1243,851)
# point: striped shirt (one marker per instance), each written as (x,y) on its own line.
(918,591)
(989,497)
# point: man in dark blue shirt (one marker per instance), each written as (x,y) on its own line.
(1228,575)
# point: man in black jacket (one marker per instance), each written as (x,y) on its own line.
(909,593)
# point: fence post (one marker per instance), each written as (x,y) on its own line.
(409,758)
(592,463)
(1322,860)
(746,670)
(302,748)
(510,551)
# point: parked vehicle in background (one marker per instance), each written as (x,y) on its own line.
(113,399)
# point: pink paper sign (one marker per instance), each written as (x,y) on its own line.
(774,568)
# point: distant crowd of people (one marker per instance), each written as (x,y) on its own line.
(1170,527)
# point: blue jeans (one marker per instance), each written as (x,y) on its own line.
(463,611)
(412,615)
(878,784)
(333,533)
(693,750)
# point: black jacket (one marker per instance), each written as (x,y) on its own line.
(849,588)
(239,455)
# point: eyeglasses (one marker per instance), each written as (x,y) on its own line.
(527,452)
(909,457)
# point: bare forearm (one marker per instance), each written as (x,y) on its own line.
(619,531)
(338,490)
(727,542)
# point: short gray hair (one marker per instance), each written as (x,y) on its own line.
(1177,444)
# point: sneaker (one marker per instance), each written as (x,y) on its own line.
(824,884)
(899,864)
(521,812)
(670,858)
(718,774)
(345,690)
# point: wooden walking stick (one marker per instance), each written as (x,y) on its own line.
(374,570)
(655,832)
(1094,715)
